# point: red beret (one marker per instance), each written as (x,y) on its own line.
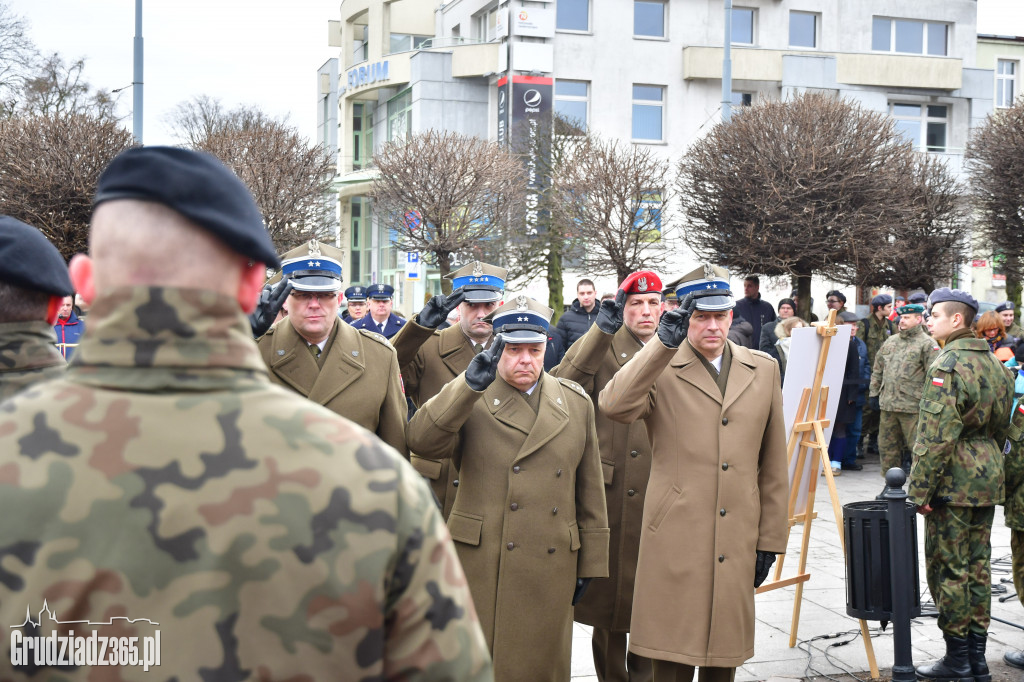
(642,282)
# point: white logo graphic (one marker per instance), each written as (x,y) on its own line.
(531,98)
(642,284)
(80,650)
(501,98)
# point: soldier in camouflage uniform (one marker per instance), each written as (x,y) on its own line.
(1014,510)
(166,478)
(873,331)
(1005,310)
(33,282)
(957,479)
(897,382)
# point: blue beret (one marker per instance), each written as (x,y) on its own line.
(381,292)
(1005,305)
(954,295)
(196,185)
(28,260)
(357,293)
(917,297)
(881,299)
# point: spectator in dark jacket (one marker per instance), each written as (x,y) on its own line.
(575,321)
(853,429)
(68,328)
(847,410)
(741,331)
(555,349)
(787,308)
(754,310)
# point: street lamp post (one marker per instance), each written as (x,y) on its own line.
(727,65)
(137,76)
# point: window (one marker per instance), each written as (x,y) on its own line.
(647,216)
(648,112)
(1006,82)
(742,99)
(649,18)
(485,25)
(572,15)
(362,135)
(909,36)
(742,26)
(400,116)
(361,47)
(923,124)
(402,42)
(572,103)
(803,29)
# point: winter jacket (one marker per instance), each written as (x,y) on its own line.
(757,312)
(68,332)
(575,322)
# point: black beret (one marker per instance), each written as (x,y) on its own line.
(196,185)
(1005,305)
(28,260)
(882,300)
(955,295)
(918,297)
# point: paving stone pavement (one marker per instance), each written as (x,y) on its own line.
(828,641)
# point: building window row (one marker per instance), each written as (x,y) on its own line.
(910,36)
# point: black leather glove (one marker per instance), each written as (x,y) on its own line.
(581,588)
(762,566)
(437,309)
(609,315)
(269,305)
(674,324)
(873,402)
(483,367)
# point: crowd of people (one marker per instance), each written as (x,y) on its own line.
(297,489)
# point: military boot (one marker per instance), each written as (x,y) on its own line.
(976,655)
(955,666)
(872,444)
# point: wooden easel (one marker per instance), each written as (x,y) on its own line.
(807,440)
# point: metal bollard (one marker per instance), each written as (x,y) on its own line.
(901,554)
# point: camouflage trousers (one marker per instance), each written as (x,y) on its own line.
(1017,550)
(896,433)
(957,552)
(869,424)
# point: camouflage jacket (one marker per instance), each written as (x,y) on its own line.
(965,416)
(901,365)
(27,355)
(1014,463)
(874,333)
(166,478)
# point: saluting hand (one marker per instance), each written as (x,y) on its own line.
(269,305)
(484,366)
(674,324)
(437,309)
(609,315)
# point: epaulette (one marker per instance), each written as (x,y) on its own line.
(572,384)
(270,331)
(947,361)
(376,336)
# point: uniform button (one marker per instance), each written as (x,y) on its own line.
(721,557)
(634,453)
(513,506)
(512,544)
(631,492)
(725,420)
(551,550)
(455,483)
(725,466)
(721,512)
(555,510)
(515,469)
(558,473)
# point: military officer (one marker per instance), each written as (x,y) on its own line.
(529,520)
(380,318)
(957,479)
(355,309)
(351,372)
(897,382)
(873,330)
(430,359)
(33,282)
(622,328)
(715,508)
(166,480)
(1005,310)
(1014,510)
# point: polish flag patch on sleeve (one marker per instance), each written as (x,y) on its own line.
(938,381)
(1020,408)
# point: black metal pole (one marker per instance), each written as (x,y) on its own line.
(900,572)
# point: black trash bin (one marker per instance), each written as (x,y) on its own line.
(868,579)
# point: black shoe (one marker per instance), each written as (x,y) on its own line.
(852,467)
(976,656)
(1014,658)
(955,666)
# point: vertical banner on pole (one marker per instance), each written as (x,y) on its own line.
(531,104)
(503,88)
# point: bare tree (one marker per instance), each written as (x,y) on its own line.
(50,164)
(809,185)
(995,156)
(931,244)
(289,178)
(17,57)
(444,194)
(614,196)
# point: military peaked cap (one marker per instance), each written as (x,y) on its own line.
(709,285)
(481,282)
(522,321)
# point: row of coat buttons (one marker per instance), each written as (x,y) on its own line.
(516,469)
(510,546)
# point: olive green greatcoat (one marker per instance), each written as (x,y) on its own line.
(27,356)
(900,370)
(718,493)
(529,515)
(430,359)
(626,461)
(357,379)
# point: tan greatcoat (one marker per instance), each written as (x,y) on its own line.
(357,377)
(529,515)
(430,359)
(626,461)
(718,492)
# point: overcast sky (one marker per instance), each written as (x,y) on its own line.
(262,52)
